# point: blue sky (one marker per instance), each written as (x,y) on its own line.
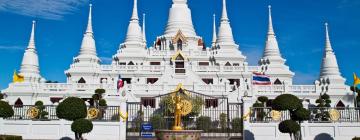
(298,25)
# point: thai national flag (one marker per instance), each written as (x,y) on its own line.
(261,79)
(120,83)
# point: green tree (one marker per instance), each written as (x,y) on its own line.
(6,111)
(42,113)
(323,102)
(291,103)
(73,109)
(81,126)
(263,100)
(289,126)
(1,96)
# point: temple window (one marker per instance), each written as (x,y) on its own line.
(148,102)
(179,44)
(277,82)
(211,103)
(232,82)
(82,80)
(155,63)
(18,103)
(122,63)
(340,104)
(208,81)
(203,63)
(151,80)
(227,64)
(131,63)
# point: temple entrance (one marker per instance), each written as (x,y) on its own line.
(214,115)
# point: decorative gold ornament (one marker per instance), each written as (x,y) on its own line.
(186,107)
(124,117)
(275,115)
(334,114)
(182,106)
(32,112)
(92,113)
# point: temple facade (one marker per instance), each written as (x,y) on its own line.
(177,56)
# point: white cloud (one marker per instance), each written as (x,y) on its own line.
(46,9)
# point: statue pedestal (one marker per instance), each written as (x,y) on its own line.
(178,134)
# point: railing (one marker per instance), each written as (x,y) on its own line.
(107,114)
(262,115)
(317,115)
(295,89)
(64,87)
(346,114)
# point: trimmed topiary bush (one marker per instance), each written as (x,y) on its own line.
(289,126)
(81,126)
(102,102)
(6,111)
(301,114)
(263,99)
(203,123)
(42,113)
(286,102)
(100,91)
(71,108)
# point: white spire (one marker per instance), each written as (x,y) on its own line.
(180,19)
(329,67)
(272,51)
(225,36)
(30,62)
(31,44)
(224,16)
(271,29)
(272,63)
(214,31)
(135,12)
(89,26)
(134,34)
(88,47)
(143,29)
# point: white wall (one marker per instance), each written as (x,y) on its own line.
(310,131)
(57,129)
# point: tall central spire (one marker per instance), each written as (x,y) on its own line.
(134,34)
(225,36)
(272,51)
(30,62)
(88,47)
(180,19)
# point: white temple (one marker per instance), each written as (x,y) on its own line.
(177,56)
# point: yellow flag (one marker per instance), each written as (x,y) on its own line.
(356,80)
(17,77)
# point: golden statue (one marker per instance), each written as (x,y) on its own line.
(182,107)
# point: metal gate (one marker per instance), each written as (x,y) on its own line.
(214,115)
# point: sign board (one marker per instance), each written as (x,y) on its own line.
(146,130)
